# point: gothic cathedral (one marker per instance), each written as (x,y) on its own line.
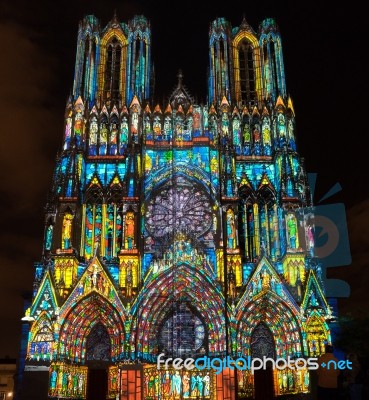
(177,229)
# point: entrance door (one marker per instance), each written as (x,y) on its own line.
(264,384)
(97,384)
(262,345)
(98,353)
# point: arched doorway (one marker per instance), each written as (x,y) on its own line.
(262,345)
(159,317)
(93,336)
(98,358)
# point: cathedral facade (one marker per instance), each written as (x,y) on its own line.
(180,229)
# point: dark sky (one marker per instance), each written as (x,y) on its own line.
(326,63)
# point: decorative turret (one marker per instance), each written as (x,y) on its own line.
(113,64)
(139,59)
(245,66)
(220,58)
(180,95)
(87,59)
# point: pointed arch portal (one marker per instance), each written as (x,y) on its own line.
(92,317)
(182,287)
(276,316)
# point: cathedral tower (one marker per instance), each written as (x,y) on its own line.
(176,229)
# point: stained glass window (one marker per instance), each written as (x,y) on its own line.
(183,333)
(179,206)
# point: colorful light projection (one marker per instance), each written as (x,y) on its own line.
(175,384)
(67,381)
(292,381)
(103,222)
(41,344)
(178,208)
(80,322)
(113,382)
(67,231)
(153,309)
(176,228)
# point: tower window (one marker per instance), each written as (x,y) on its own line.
(85,62)
(274,65)
(265,53)
(247,72)
(112,70)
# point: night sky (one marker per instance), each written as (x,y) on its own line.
(326,64)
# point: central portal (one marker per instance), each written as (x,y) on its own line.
(262,345)
(98,354)
(183,333)
(97,384)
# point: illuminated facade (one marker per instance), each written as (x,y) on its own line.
(180,228)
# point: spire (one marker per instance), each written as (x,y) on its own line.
(78,105)
(245,111)
(157,109)
(114,111)
(135,102)
(280,102)
(235,111)
(290,105)
(265,112)
(114,20)
(245,26)
(168,109)
(212,109)
(180,78)
(180,95)
(224,102)
(255,111)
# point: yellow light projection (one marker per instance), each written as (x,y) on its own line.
(294,268)
(128,270)
(249,37)
(65,272)
(67,231)
(317,334)
(108,37)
